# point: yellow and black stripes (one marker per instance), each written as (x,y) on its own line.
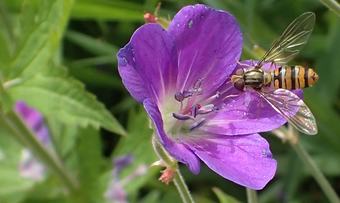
(293,77)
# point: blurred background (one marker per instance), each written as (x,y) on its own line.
(79,41)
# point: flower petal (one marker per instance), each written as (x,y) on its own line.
(147,64)
(34,120)
(244,159)
(209,44)
(246,114)
(179,151)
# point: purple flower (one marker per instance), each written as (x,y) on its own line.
(182,77)
(115,192)
(30,167)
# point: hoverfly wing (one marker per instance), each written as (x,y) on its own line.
(289,44)
(292,108)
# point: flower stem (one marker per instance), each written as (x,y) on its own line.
(182,188)
(317,174)
(178,178)
(332,5)
(26,137)
(251,196)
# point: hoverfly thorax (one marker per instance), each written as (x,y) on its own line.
(254,78)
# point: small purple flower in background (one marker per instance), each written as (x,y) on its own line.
(115,192)
(30,167)
(182,77)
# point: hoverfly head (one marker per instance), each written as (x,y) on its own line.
(238,79)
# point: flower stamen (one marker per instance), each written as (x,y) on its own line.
(197,124)
(182,117)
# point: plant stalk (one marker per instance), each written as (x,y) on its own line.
(28,139)
(316,173)
(251,196)
(178,179)
(332,5)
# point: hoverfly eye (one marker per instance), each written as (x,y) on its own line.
(239,71)
(239,84)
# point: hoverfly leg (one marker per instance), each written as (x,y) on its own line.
(242,64)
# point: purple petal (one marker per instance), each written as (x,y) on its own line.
(209,44)
(179,151)
(31,168)
(246,114)
(34,120)
(244,159)
(121,162)
(147,64)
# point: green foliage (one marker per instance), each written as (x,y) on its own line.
(67,100)
(224,198)
(59,57)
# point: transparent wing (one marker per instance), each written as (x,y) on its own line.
(289,44)
(292,108)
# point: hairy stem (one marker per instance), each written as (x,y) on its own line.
(251,196)
(178,179)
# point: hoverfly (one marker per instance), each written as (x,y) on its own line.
(273,84)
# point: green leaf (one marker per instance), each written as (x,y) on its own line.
(328,63)
(96,78)
(138,145)
(42,28)
(95,46)
(108,10)
(64,137)
(90,164)
(66,99)
(13,187)
(6,35)
(223,197)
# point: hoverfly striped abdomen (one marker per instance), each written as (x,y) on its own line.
(293,77)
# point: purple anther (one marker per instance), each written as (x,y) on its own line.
(197,124)
(181,116)
(179,96)
(187,94)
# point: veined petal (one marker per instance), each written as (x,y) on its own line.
(147,64)
(243,159)
(179,151)
(248,113)
(209,44)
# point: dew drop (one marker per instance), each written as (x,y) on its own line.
(122,61)
(178,25)
(190,23)
(266,154)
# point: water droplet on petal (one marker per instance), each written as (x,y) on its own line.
(190,23)
(178,24)
(266,153)
(122,61)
